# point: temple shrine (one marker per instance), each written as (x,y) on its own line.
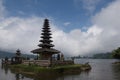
(45,50)
(47,56)
(17,59)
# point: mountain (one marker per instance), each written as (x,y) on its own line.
(4,54)
(102,56)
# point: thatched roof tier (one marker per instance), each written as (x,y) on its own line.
(18,52)
(45,40)
(44,28)
(46,37)
(45,50)
(46,33)
(46,45)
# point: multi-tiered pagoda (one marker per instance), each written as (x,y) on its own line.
(17,59)
(45,51)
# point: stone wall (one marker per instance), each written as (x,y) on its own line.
(43,63)
(47,63)
(61,63)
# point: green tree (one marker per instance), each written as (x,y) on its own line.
(116,53)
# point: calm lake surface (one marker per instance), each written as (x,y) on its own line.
(102,69)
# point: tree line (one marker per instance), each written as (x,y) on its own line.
(116,53)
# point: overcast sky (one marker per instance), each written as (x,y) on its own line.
(79,27)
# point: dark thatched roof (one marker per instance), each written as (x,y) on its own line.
(43,50)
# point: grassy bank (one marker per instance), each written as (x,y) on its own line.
(37,71)
(118,62)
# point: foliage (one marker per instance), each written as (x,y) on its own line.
(68,66)
(102,56)
(116,53)
(42,70)
(45,73)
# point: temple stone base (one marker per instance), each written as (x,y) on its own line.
(47,63)
(42,63)
(62,63)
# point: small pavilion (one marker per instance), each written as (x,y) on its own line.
(17,59)
(45,50)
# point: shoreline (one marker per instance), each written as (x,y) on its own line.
(117,62)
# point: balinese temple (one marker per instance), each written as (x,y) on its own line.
(17,59)
(46,49)
(18,53)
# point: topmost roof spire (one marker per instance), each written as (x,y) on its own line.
(46,23)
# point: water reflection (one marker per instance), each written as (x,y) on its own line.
(5,68)
(80,76)
(7,74)
(116,70)
(19,76)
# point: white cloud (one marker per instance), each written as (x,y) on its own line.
(21,12)
(109,16)
(77,42)
(102,36)
(66,23)
(108,20)
(89,5)
(20,33)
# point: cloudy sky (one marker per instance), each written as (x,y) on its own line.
(79,27)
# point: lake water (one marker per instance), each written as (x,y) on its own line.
(102,69)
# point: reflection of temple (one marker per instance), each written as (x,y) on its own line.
(46,51)
(17,59)
(19,76)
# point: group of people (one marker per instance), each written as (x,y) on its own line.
(60,57)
